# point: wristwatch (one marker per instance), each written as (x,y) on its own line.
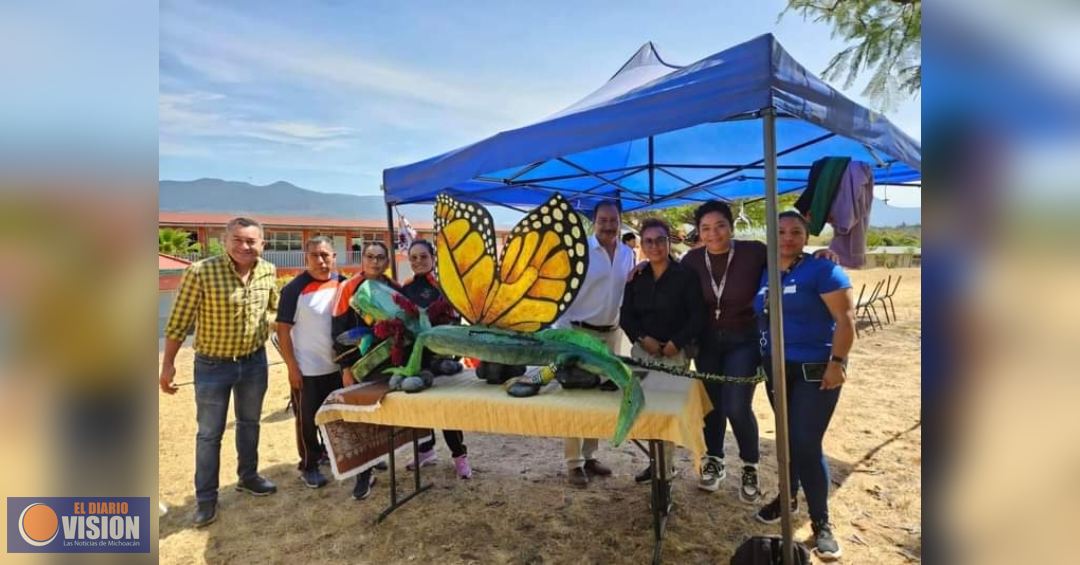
(838,359)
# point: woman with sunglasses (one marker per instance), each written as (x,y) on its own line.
(375,258)
(423,290)
(661,311)
(819,329)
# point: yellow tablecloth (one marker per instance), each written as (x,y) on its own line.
(675,408)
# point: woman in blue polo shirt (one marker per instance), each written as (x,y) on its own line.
(819,329)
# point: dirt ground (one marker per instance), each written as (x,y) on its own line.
(518,507)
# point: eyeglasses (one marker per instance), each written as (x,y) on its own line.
(658,242)
(375,257)
(323,256)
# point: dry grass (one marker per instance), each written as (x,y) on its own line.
(518,508)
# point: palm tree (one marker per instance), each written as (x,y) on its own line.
(173,241)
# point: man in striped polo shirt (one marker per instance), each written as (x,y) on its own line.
(228,300)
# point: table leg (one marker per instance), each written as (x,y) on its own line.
(417,488)
(660,493)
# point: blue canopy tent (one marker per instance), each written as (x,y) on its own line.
(658,135)
(746,122)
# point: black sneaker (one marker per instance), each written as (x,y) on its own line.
(646,475)
(313,478)
(362,489)
(825,545)
(712,472)
(770,513)
(750,492)
(205,513)
(259,486)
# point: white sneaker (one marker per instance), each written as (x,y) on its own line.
(712,472)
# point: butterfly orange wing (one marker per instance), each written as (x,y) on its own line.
(465,255)
(541,269)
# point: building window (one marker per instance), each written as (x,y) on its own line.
(285,241)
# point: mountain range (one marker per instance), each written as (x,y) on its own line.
(285,199)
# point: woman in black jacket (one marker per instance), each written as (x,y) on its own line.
(423,290)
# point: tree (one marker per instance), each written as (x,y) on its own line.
(887,36)
(676,216)
(173,241)
(755,208)
(215,247)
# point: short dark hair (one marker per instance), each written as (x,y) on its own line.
(797,216)
(650,223)
(380,244)
(318,240)
(713,206)
(613,203)
(243,222)
(628,237)
(425,243)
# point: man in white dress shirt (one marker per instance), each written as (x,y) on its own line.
(596,311)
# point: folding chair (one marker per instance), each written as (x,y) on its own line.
(867,308)
(888,296)
(881,299)
(858,304)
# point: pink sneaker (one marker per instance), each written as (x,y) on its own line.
(427,458)
(462,465)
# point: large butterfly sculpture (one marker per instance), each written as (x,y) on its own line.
(542,267)
(509,302)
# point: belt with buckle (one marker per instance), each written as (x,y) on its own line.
(588,326)
(232,359)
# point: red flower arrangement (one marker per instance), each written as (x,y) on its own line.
(393,329)
(407,305)
(440,312)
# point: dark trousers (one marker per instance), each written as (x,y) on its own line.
(306,403)
(455,440)
(215,381)
(809,411)
(735,355)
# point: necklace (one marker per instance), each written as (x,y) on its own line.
(718,288)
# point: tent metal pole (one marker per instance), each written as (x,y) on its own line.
(776,333)
(652,172)
(392,248)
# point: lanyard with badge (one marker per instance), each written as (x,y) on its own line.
(718,288)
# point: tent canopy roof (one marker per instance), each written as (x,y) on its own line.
(657,135)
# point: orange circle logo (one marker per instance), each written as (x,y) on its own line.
(38,524)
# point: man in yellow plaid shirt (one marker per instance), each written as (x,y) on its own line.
(228,300)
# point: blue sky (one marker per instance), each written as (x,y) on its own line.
(327,94)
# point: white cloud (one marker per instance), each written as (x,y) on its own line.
(307,130)
(186,115)
(229,47)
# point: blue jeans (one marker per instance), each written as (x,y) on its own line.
(215,379)
(809,411)
(735,355)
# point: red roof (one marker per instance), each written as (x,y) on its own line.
(168,262)
(218,219)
